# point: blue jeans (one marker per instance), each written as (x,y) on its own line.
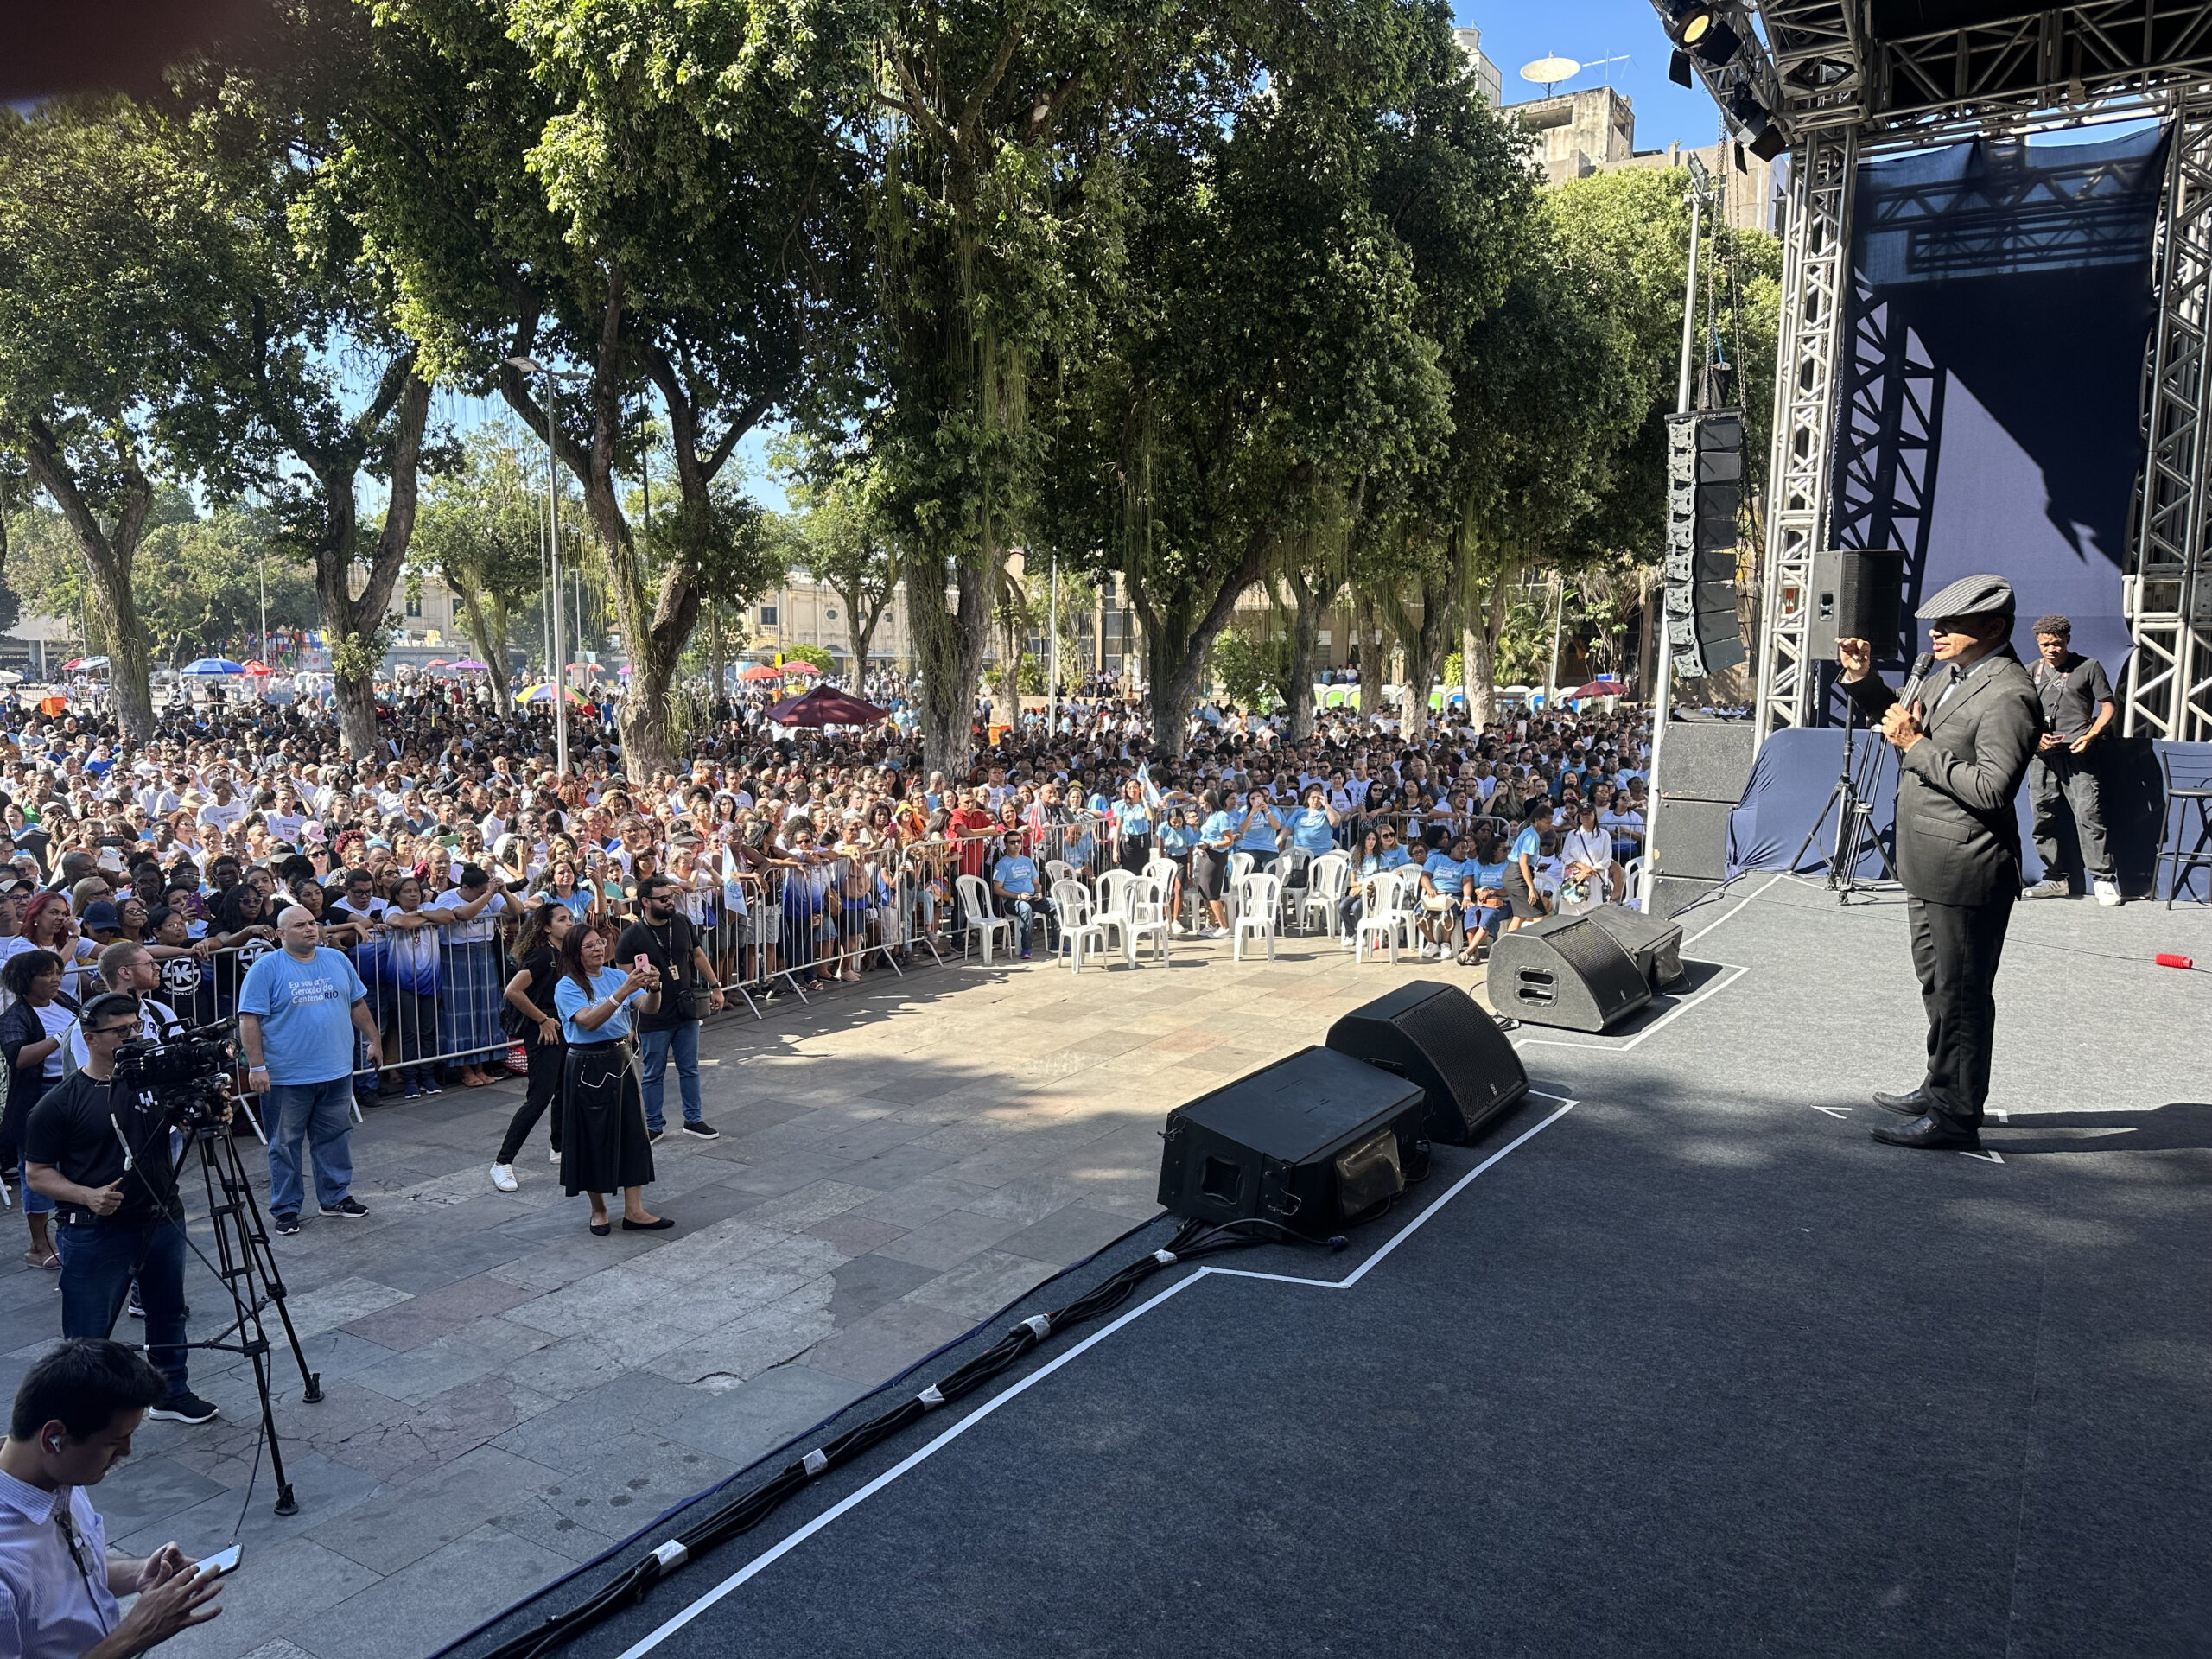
(655,1046)
(321,1114)
(99,1259)
(35,1203)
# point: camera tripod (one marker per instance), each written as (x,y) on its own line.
(247,1268)
(1854,829)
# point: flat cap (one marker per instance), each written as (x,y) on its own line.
(1970,596)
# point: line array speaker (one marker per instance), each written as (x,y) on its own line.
(1704,489)
(1566,971)
(1315,1142)
(1437,1036)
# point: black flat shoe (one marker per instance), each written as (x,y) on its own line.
(630,1226)
(600,1229)
(1915,1105)
(1929,1135)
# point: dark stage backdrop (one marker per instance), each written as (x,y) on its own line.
(1990,416)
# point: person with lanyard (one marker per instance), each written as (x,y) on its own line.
(1443,888)
(103,1155)
(60,1590)
(690,991)
(2062,783)
(604,1146)
(1133,818)
(1014,882)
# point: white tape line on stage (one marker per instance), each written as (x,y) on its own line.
(778,1551)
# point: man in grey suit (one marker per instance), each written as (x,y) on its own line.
(1963,749)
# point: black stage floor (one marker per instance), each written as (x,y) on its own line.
(1678,1362)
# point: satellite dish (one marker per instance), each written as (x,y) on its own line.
(1548,71)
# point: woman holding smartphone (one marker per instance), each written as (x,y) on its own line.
(603,1142)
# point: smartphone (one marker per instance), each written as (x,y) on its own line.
(641,962)
(222,1561)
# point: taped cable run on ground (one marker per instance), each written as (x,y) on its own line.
(741,1514)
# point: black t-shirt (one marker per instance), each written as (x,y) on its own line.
(544,967)
(670,945)
(2070,694)
(74,1128)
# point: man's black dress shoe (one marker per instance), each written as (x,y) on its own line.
(1930,1135)
(1912,1105)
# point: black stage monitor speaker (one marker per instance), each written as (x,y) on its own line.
(1314,1142)
(1654,942)
(1566,970)
(1439,1037)
(1858,594)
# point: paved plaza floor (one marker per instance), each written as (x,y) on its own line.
(507,1396)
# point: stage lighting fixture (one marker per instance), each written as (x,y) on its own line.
(1701,31)
(1748,113)
(1770,143)
(1679,70)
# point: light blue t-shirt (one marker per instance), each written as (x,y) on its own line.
(1488,876)
(306,1010)
(1529,843)
(1310,831)
(1218,828)
(1176,838)
(569,999)
(1016,873)
(1446,873)
(1259,834)
(1389,859)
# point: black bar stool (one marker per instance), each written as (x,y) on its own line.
(2196,794)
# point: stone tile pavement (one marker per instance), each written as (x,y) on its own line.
(507,1396)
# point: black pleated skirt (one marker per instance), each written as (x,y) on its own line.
(603,1145)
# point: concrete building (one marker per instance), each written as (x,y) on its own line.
(1486,73)
(1589,131)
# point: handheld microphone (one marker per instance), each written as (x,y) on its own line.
(1922,666)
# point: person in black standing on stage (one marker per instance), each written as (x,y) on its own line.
(1963,747)
(2077,706)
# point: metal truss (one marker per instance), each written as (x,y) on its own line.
(2167,594)
(1816,270)
(1886,440)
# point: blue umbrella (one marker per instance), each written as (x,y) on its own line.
(211,666)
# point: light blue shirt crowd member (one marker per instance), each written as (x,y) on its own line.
(570,999)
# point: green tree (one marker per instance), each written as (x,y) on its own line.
(118,275)
(657,194)
(844,538)
(482,529)
(814,655)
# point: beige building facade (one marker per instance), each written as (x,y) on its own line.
(1594,131)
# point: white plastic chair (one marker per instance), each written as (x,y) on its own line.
(1145,917)
(1162,870)
(1638,871)
(1328,878)
(976,901)
(1239,866)
(1112,885)
(1259,897)
(1081,933)
(1058,870)
(1384,917)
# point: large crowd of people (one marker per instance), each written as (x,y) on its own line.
(454,909)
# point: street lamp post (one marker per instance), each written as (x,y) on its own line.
(557,673)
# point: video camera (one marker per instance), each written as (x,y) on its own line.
(186,1070)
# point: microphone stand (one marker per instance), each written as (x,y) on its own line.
(1854,830)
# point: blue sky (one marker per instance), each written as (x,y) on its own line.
(1587,30)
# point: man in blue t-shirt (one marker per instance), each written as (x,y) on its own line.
(1014,882)
(298,1009)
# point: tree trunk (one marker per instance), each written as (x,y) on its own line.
(1308,601)
(1647,632)
(949,642)
(108,554)
(717,665)
(1481,648)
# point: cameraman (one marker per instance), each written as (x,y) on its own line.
(102,1154)
(72,1421)
(298,1009)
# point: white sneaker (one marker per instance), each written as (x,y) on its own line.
(503,1177)
(1348,943)
(1217,933)
(2107,893)
(554,1156)
(1428,951)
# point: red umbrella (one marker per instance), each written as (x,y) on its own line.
(804,668)
(761,672)
(826,706)
(1603,686)
(256,667)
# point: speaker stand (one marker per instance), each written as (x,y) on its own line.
(1854,829)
